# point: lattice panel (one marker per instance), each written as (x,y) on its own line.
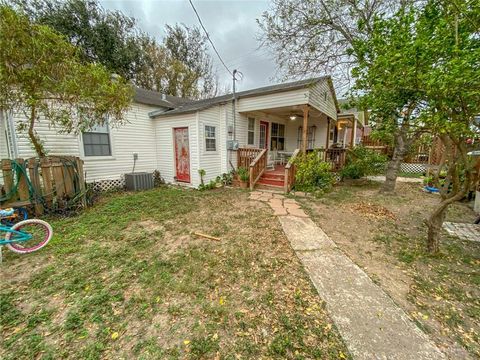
(413,168)
(108,185)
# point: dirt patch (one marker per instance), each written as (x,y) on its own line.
(372,211)
(385,235)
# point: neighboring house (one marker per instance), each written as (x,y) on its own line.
(180,136)
(351,125)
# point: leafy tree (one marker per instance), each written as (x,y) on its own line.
(308,37)
(450,32)
(389,74)
(107,37)
(41,74)
(189,66)
(179,66)
(315,36)
(419,72)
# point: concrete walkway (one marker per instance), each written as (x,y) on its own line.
(399,179)
(371,324)
(469,232)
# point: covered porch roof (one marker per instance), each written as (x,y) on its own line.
(290,112)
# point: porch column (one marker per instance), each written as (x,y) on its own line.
(354,132)
(328,133)
(305,129)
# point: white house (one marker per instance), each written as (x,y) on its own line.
(180,136)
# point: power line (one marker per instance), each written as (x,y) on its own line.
(208,38)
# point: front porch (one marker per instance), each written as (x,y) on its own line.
(270,171)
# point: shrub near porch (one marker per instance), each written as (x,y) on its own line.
(126,279)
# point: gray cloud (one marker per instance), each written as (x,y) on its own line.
(231,24)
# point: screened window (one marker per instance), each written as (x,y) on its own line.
(210,139)
(96,141)
(251,131)
(278,137)
(310,137)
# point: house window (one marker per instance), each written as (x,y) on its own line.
(251,131)
(278,137)
(210,140)
(310,137)
(96,141)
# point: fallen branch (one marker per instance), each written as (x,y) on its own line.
(207,236)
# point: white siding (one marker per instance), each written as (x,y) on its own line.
(279,99)
(320,132)
(211,161)
(136,136)
(165,145)
(322,98)
(54,142)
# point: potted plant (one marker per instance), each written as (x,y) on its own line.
(243,176)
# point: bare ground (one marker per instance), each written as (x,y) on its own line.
(386,236)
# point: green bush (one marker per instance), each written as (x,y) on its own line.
(313,174)
(243,173)
(362,162)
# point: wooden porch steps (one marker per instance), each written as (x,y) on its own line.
(273,178)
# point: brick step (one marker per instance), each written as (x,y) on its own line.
(274,182)
(273,176)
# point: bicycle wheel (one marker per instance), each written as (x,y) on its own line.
(41,233)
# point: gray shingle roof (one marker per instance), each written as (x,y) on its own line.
(149,97)
(194,106)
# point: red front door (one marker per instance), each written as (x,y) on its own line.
(263,144)
(182,154)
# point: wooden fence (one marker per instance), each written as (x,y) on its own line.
(52,182)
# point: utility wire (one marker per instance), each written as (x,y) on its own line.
(208,37)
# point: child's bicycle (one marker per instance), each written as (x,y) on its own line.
(25,236)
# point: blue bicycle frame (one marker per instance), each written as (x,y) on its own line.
(17,236)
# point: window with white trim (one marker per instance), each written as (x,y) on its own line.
(96,141)
(277,141)
(210,138)
(310,137)
(251,131)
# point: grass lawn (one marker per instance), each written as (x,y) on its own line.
(126,279)
(386,237)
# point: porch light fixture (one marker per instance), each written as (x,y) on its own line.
(293,117)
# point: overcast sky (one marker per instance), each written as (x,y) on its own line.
(231,24)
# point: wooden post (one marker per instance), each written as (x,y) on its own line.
(354,133)
(328,135)
(305,129)
(81,179)
(68,175)
(7,177)
(33,168)
(46,166)
(57,170)
(23,193)
(250,177)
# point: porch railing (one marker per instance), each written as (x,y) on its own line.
(290,171)
(245,156)
(336,157)
(257,167)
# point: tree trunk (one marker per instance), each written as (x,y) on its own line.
(434,225)
(393,167)
(36,142)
